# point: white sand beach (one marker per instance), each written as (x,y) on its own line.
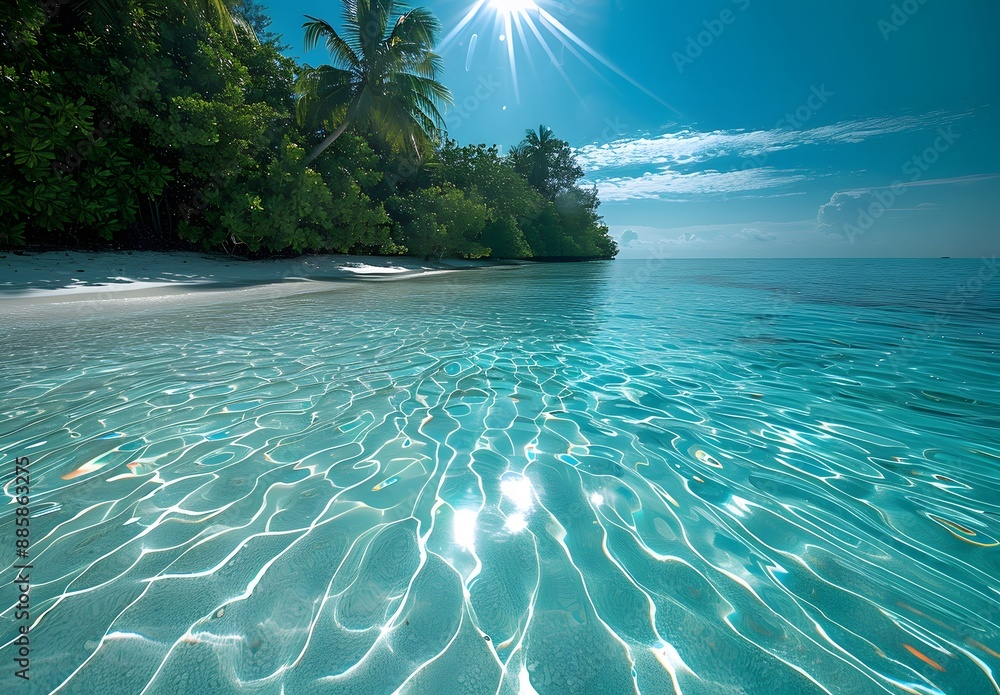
(32,278)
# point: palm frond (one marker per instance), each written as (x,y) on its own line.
(101,13)
(216,11)
(403,126)
(322,91)
(341,52)
(371,20)
(416,87)
(383,74)
(415,58)
(418,26)
(243,28)
(414,99)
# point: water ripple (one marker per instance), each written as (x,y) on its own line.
(571,481)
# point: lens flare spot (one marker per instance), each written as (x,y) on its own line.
(465,528)
(472,50)
(518,490)
(513,6)
(516,523)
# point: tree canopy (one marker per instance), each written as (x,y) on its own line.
(173,124)
(546,162)
(382,78)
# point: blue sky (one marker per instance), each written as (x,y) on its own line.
(743,128)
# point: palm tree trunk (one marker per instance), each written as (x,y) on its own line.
(330,139)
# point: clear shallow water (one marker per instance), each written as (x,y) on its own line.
(657,477)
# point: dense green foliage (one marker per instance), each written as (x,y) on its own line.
(383,76)
(179,124)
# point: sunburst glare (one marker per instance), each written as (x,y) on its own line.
(521,25)
(513,6)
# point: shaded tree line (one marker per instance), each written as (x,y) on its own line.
(180,124)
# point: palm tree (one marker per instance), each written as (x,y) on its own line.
(546,162)
(533,156)
(383,75)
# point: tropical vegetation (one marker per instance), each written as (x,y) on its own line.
(163,124)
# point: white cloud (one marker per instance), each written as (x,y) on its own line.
(692,147)
(754,239)
(843,212)
(851,210)
(752,234)
(667,183)
(951,181)
(660,167)
(626,238)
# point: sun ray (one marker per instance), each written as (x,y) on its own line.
(552,56)
(513,60)
(509,20)
(513,7)
(567,45)
(524,39)
(562,29)
(451,35)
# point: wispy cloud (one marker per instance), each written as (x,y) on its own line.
(667,166)
(690,147)
(951,181)
(669,184)
(762,239)
(852,210)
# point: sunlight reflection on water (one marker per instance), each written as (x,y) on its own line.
(715,476)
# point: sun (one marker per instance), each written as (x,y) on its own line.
(519,25)
(509,7)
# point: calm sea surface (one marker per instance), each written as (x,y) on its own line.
(659,477)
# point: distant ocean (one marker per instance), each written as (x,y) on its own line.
(635,476)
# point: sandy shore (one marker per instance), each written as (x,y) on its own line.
(72,276)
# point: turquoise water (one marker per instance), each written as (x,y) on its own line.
(658,477)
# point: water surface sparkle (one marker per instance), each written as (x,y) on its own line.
(656,477)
